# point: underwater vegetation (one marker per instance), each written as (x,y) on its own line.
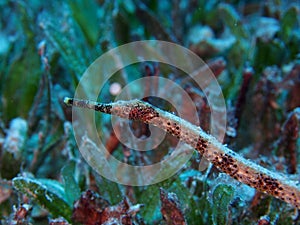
(252,47)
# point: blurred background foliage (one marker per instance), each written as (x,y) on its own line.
(45,46)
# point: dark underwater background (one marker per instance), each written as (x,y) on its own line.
(253,49)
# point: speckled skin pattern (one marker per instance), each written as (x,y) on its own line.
(222,157)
